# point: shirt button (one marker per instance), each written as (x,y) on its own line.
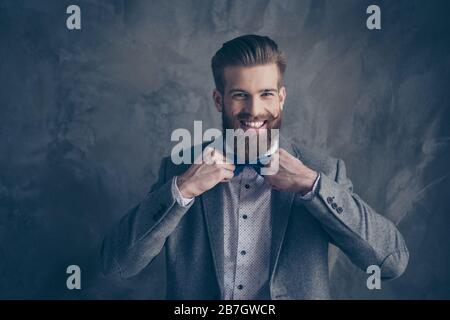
(240,287)
(243,252)
(244,216)
(247,186)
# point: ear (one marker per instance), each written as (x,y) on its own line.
(217,97)
(282,96)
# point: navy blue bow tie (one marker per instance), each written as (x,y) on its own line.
(256,166)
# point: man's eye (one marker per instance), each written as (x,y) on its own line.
(239,95)
(268,94)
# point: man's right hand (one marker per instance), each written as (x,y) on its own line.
(200,178)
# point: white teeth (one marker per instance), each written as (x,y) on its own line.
(254,124)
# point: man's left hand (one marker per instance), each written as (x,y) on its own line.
(292,175)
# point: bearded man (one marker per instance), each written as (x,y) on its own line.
(230,232)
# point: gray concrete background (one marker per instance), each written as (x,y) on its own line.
(86,116)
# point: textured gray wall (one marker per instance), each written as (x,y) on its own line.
(86,116)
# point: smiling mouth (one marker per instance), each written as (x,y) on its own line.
(252,124)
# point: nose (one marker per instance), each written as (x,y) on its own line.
(255,107)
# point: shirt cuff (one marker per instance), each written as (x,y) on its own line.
(313,191)
(182,201)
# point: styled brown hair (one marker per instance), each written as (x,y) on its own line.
(247,50)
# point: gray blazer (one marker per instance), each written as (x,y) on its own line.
(301,233)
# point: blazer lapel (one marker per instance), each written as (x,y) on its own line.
(212,201)
(280,210)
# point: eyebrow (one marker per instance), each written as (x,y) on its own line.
(260,91)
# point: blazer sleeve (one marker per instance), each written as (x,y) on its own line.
(140,235)
(365,236)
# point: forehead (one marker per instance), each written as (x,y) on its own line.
(251,78)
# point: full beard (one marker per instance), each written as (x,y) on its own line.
(265,139)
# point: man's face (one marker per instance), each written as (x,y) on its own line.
(251,99)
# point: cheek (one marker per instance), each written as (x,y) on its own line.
(274,107)
(276,102)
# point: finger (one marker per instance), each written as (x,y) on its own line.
(226,174)
(208,155)
(218,157)
(228,166)
(213,156)
(272,167)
